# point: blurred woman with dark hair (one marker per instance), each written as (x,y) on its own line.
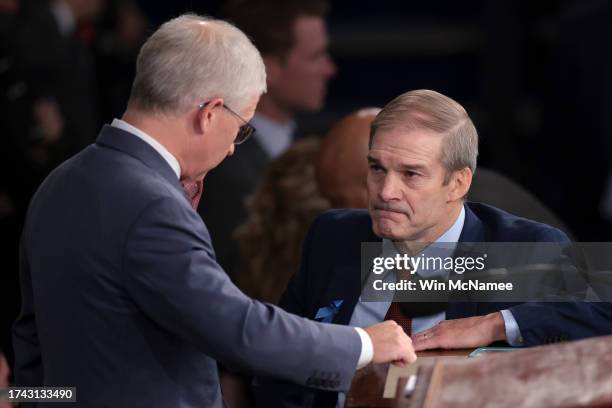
(279,213)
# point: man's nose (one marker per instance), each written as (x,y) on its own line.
(389,188)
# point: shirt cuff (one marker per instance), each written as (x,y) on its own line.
(513,333)
(367,348)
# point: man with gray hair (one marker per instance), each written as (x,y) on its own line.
(122,296)
(422,156)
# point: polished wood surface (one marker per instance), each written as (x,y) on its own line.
(368,383)
(568,374)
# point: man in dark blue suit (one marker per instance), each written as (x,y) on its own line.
(422,155)
(122,296)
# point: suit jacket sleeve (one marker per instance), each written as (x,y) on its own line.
(542,323)
(171,273)
(551,322)
(28,363)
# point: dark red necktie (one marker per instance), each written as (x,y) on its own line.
(394,313)
(193,191)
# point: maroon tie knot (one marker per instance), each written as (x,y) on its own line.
(395,313)
(193,191)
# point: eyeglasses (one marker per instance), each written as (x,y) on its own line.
(244,132)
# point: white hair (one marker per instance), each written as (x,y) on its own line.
(192,59)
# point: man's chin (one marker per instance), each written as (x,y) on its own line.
(314,105)
(386,232)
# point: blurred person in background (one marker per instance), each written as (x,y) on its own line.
(122,31)
(292,38)
(279,214)
(31,127)
(342,163)
(53,54)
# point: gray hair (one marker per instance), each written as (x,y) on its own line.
(426,109)
(191,59)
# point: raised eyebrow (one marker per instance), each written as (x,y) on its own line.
(413,167)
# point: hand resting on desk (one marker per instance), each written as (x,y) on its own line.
(470,332)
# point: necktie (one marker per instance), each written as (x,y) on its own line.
(395,313)
(193,191)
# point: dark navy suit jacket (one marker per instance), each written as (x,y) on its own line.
(330,270)
(123,298)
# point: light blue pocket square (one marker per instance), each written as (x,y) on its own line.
(326,314)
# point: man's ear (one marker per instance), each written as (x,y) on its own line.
(459,184)
(207,114)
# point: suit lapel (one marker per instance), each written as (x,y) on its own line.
(344,286)
(346,280)
(473,229)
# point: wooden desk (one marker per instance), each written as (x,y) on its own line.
(368,383)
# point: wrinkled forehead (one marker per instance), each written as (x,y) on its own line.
(406,144)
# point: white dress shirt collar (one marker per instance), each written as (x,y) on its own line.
(159,148)
(454,232)
(273,137)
